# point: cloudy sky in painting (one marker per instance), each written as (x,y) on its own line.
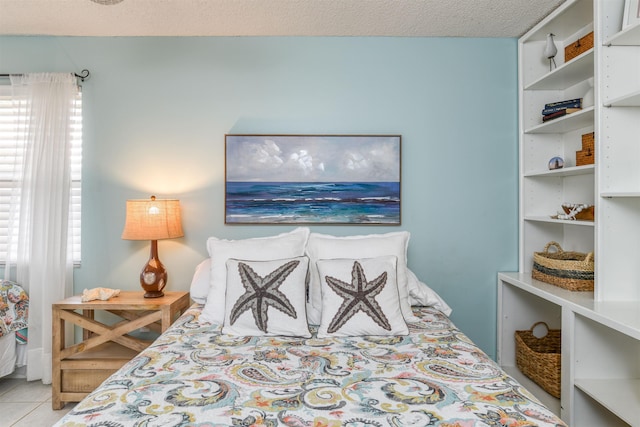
(313,158)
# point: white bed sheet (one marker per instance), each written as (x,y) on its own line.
(12,354)
(8,354)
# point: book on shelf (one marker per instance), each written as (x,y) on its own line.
(559,113)
(565,103)
(556,108)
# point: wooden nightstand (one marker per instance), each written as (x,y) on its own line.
(80,368)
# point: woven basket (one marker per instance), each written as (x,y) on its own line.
(539,358)
(568,270)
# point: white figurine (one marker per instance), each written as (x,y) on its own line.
(550,50)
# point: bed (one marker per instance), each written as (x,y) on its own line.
(283,353)
(14,305)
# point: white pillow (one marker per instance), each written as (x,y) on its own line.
(279,307)
(285,245)
(201,282)
(421,294)
(323,246)
(360,297)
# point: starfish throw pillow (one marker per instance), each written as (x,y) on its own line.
(360,297)
(284,245)
(266,298)
(325,246)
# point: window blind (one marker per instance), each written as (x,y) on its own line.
(9,160)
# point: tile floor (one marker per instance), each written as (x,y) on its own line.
(27,404)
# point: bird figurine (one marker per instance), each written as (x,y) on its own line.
(550,51)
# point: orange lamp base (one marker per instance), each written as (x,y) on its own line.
(153,277)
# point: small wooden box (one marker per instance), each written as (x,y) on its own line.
(587,155)
(581,45)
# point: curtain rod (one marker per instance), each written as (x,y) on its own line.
(84,74)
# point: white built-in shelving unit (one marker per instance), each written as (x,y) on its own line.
(600,329)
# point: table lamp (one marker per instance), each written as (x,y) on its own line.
(153,219)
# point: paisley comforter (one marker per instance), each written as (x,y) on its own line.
(194,376)
(14,309)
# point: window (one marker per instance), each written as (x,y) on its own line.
(8,120)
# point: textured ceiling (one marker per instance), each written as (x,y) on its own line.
(410,18)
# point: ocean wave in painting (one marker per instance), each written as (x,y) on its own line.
(313,202)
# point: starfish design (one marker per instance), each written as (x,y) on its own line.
(359,295)
(262,292)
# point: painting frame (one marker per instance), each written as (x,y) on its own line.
(322,179)
(631,14)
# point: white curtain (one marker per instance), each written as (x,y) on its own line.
(40,249)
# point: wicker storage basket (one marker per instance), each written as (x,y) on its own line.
(568,270)
(539,358)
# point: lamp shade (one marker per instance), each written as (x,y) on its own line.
(152,219)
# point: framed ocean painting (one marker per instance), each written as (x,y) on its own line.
(312,179)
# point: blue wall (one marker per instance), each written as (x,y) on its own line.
(156,111)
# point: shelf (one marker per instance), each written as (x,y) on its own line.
(565,21)
(619,396)
(615,194)
(597,341)
(558,221)
(568,74)
(546,291)
(621,316)
(600,329)
(629,100)
(569,171)
(108,350)
(566,123)
(630,36)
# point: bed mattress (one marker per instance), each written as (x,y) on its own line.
(193,375)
